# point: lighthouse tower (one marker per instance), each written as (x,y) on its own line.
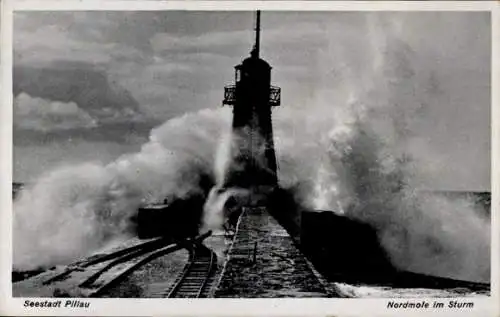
(253,165)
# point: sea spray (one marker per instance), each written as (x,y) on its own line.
(65,214)
(223,157)
(217,209)
(213,210)
(72,211)
(350,148)
(359,155)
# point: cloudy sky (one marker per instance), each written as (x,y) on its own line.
(91,85)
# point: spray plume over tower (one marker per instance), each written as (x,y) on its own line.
(253,162)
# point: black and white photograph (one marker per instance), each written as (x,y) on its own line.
(259,153)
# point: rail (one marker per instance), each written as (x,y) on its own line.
(193,280)
(98,289)
(213,260)
(102,272)
(136,249)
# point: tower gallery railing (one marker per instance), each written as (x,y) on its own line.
(230,96)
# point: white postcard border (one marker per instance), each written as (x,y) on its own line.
(238,307)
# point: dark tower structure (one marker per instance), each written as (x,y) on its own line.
(253,162)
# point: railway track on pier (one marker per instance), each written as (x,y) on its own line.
(195,279)
(97,275)
(122,254)
(117,270)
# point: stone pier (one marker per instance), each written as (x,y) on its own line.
(264,262)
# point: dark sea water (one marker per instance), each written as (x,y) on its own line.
(481,199)
(16,188)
